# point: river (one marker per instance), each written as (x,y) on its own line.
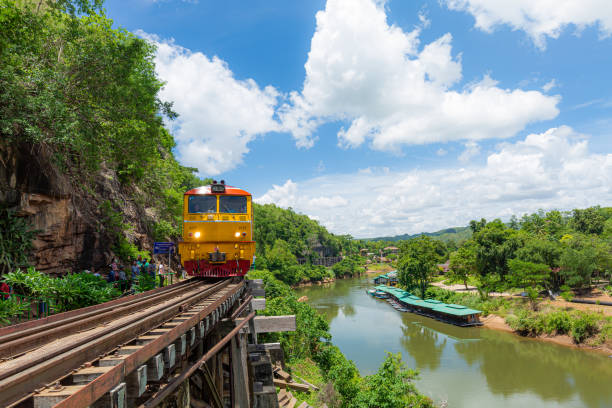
(467,367)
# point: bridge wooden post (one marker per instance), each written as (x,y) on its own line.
(240,389)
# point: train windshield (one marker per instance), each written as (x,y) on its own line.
(202,204)
(233,204)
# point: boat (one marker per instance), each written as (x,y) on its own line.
(378,294)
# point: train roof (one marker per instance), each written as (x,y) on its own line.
(229,190)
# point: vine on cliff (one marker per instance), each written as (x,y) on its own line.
(16,235)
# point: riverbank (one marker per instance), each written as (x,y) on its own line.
(456,363)
(310,355)
(321,282)
(495,322)
(575,325)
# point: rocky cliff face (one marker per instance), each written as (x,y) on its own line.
(70,235)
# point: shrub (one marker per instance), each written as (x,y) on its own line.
(69,292)
(583,327)
(526,323)
(567,293)
(392,386)
(10,309)
(559,322)
(145,282)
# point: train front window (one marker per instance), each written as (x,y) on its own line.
(202,204)
(233,204)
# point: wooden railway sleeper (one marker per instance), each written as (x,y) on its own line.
(196,331)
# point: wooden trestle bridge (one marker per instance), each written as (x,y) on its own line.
(184,345)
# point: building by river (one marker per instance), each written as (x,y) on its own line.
(448,313)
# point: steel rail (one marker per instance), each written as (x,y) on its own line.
(61,317)
(189,372)
(241,308)
(43,370)
(96,389)
(18,343)
(20,366)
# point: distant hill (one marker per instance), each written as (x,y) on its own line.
(456,234)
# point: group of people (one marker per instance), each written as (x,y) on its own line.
(139,267)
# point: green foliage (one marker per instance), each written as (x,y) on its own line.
(304,237)
(559,322)
(463,263)
(279,257)
(526,323)
(589,221)
(392,386)
(85,94)
(112,220)
(578,261)
(347,267)
(145,282)
(579,325)
(69,292)
(311,327)
(528,275)
(16,237)
(495,245)
(416,266)
(9,309)
(584,326)
(567,293)
(341,372)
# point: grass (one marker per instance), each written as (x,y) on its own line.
(308,370)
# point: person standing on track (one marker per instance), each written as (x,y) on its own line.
(160,272)
(135,270)
(151,268)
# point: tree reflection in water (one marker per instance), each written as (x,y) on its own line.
(513,365)
(423,345)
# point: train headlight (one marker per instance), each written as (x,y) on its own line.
(197,234)
(237,234)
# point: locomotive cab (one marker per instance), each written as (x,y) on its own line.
(217,231)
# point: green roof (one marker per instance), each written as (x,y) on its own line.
(432,304)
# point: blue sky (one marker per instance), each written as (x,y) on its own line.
(381,118)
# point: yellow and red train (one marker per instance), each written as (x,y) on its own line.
(217,231)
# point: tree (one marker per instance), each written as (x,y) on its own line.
(495,245)
(463,263)
(476,226)
(578,261)
(391,387)
(588,221)
(280,257)
(417,264)
(530,276)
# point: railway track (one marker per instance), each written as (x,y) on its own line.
(105,343)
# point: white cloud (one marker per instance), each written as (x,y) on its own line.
(554,169)
(327,202)
(441,152)
(472,149)
(549,85)
(540,18)
(283,196)
(393,91)
(423,19)
(219,114)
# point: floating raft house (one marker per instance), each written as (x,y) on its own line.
(448,313)
(386,279)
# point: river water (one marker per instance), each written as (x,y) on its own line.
(467,367)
